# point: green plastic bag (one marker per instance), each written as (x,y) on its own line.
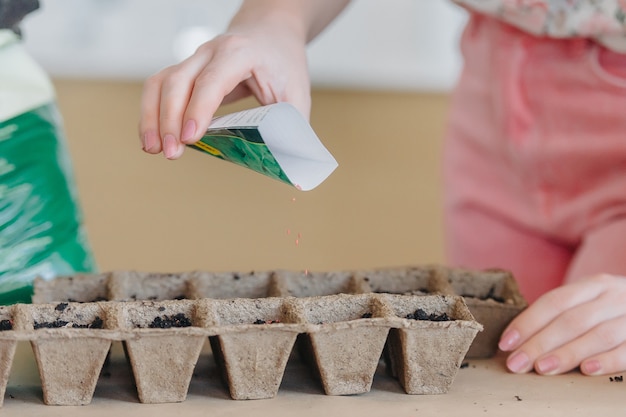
(41,231)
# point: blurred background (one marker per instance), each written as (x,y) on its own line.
(381,74)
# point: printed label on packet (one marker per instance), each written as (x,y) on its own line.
(273,140)
(208,148)
(243,147)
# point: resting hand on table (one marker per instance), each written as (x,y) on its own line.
(579,324)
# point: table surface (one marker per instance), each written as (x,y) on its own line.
(483,388)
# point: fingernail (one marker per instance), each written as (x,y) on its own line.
(547,365)
(149,140)
(518,362)
(189,131)
(591,367)
(509,340)
(170,146)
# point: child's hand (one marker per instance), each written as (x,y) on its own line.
(579,324)
(178,103)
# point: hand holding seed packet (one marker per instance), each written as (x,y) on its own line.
(274,140)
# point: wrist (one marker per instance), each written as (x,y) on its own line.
(284,17)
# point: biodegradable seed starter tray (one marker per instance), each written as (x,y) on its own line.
(342,323)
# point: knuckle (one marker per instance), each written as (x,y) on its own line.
(170,123)
(169,111)
(553,299)
(574,322)
(152,82)
(175,78)
(232,42)
(209,86)
(569,357)
(204,79)
(227,42)
(607,336)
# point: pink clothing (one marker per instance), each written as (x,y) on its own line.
(601,20)
(535,157)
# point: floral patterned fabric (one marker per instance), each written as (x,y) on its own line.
(601,20)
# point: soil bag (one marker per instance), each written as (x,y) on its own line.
(41,231)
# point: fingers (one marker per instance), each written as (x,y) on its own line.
(597,342)
(175,92)
(266,94)
(239,92)
(300,98)
(229,66)
(547,308)
(179,102)
(163,103)
(149,122)
(582,324)
(605,363)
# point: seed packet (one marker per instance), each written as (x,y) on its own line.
(274,140)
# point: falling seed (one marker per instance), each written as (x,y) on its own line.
(288,231)
(293,199)
(306,272)
(297,242)
(298,186)
(299,235)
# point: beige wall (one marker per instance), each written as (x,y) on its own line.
(381,206)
